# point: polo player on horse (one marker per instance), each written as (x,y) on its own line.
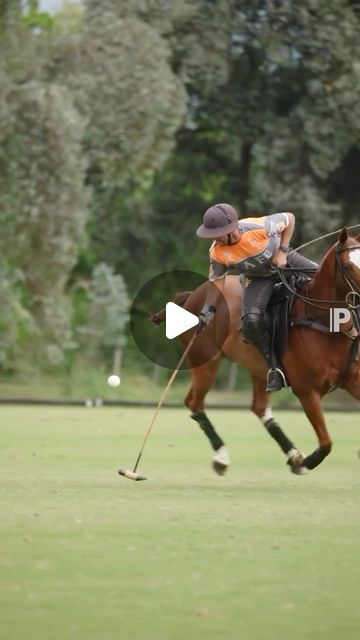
(253,247)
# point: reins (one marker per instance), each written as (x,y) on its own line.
(351,302)
(326,235)
(313,302)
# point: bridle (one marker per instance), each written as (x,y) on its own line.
(354,294)
(351,302)
(352,298)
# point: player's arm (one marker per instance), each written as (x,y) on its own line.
(215,287)
(281,225)
(287,233)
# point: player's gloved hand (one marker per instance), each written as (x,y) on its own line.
(206,316)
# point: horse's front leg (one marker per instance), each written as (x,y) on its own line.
(352,382)
(311,402)
(203,377)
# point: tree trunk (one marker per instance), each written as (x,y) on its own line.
(117,360)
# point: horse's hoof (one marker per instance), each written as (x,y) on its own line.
(221,461)
(219,468)
(296,463)
(298,469)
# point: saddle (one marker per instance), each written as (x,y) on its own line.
(278,319)
(278,313)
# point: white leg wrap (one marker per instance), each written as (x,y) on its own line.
(299,470)
(292,453)
(267,415)
(222,457)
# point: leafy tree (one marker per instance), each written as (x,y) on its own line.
(106,314)
(10,12)
(43,203)
(36,19)
(132,101)
(251,101)
(281,132)
(69,18)
(16,324)
(100,128)
(198,32)
(312,129)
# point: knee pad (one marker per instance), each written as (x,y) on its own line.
(252,325)
(255,331)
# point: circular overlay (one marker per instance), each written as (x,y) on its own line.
(188,290)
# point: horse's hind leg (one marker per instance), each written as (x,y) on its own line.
(311,402)
(261,406)
(202,380)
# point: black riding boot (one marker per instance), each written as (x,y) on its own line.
(275,379)
(255,331)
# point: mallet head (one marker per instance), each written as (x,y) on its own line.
(131,475)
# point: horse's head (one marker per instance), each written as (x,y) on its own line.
(347,252)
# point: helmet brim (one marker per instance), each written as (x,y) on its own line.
(207,232)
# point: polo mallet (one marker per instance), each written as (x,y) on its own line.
(133,475)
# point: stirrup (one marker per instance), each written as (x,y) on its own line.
(275,379)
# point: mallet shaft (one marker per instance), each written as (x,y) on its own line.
(172,378)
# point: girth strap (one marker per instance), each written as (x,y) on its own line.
(318,326)
(353,353)
(311,324)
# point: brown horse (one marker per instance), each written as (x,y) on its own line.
(315,360)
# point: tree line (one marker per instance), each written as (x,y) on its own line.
(122,121)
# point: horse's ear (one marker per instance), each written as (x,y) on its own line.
(343,236)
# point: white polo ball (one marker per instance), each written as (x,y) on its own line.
(113,381)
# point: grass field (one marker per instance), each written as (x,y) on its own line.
(257,555)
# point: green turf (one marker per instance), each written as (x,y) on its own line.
(257,555)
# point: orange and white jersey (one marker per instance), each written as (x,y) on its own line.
(253,253)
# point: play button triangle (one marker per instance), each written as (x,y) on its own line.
(178,320)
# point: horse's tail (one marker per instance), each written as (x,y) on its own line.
(179,299)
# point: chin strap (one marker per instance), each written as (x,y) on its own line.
(231,242)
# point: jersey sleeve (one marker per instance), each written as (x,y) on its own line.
(276,223)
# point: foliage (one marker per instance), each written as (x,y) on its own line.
(158,109)
(313,125)
(197,31)
(69,18)
(43,207)
(281,133)
(16,323)
(36,19)
(10,12)
(106,312)
(132,100)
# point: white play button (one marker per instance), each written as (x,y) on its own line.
(173,319)
(178,320)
